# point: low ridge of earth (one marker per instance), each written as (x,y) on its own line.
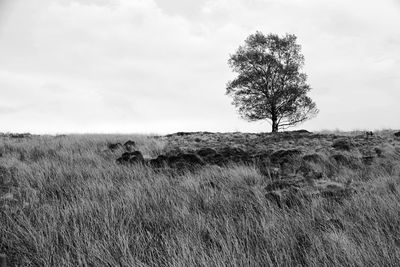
(277,149)
(298,164)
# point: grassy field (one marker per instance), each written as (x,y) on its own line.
(65,202)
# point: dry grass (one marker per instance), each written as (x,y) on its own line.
(65,202)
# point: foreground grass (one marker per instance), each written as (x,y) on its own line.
(71,205)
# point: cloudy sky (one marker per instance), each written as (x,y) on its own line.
(158,66)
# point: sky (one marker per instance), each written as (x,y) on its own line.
(160,66)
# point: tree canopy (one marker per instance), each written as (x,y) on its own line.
(270,85)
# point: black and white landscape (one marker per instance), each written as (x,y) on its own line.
(199,133)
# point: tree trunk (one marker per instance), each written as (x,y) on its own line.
(274,127)
(274,123)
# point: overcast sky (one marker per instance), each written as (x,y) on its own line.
(158,66)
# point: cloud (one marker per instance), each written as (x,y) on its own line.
(8,110)
(159,66)
(187,9)
(99,3)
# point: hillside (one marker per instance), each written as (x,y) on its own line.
(201,199)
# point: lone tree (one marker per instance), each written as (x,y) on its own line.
(270,84)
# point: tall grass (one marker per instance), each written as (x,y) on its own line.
(67,203)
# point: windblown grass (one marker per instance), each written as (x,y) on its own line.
(70,204)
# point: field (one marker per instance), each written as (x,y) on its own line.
(286,199)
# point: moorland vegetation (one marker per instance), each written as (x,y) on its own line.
(201,199)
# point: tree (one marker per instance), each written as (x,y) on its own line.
(270,84)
